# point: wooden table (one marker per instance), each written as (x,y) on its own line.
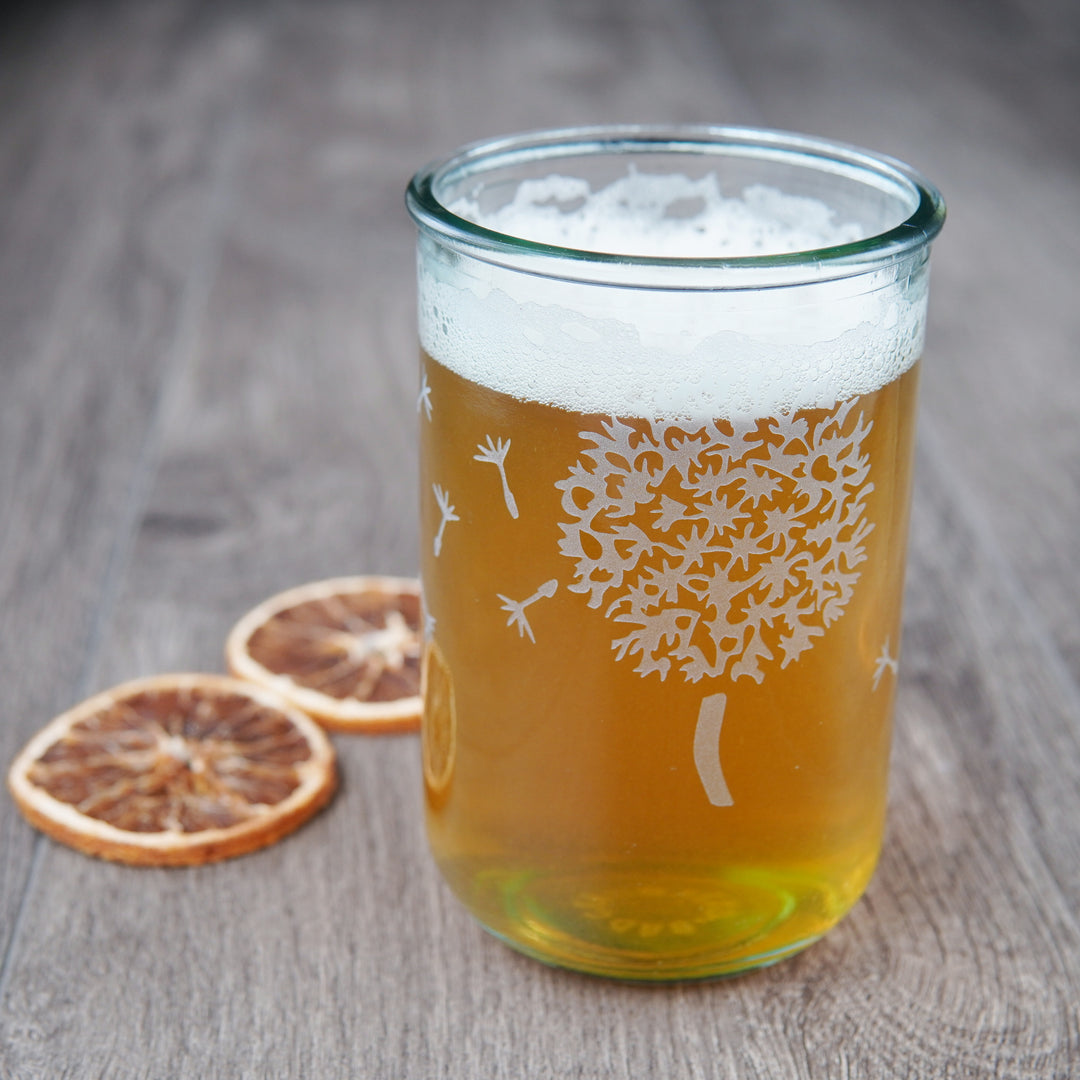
(208,365)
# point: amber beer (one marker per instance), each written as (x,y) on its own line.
(575,822)
(661,642)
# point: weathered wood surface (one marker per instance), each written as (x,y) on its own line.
(207,354)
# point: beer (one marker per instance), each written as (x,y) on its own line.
(576,823)
(663,536)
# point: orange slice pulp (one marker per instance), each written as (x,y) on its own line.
(174,770)
(346,651)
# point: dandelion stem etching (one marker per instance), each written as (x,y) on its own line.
(707,750)
(494,452)
(447,511)
(517,607)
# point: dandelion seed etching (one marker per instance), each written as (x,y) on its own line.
(495,453)
(423,399)
(447,512)
(516,608)
(885,662)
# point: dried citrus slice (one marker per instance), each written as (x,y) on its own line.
(438,733)
(174,770)
(346,651)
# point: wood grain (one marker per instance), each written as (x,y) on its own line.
(109,169)
(987,107)
(207,345)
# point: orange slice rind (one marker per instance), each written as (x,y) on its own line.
(346,651)
(174,770)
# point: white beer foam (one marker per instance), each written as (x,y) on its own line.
(646,214)
(663,353)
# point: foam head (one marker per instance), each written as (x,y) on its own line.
(668,352)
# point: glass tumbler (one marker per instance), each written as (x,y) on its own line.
(666,408)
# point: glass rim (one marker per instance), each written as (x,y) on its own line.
(825,155)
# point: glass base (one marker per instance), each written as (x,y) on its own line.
(654,926)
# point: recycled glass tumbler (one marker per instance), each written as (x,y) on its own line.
(666,409)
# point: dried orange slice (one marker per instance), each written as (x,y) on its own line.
(174,770)
(438,733)
(346,651)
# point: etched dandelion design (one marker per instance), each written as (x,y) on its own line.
(516,608)
(423,398)
(885,662)
(446,515)
(720,548)
(494,452)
